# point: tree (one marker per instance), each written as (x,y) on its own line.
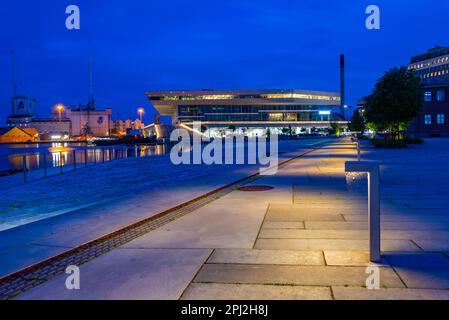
(357,122)
(397,99)
(335,129)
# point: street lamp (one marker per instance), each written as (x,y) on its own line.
(60,108)
(372,168)
(141,112)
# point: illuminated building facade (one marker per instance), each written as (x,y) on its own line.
(250,111)
(433,69)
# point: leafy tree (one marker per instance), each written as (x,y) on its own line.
(232,127)
(335,129)
(397,99)
(357,122)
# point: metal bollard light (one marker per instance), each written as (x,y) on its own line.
(358,151)
(24,167)
(45,165)
(60,163)
(372,168)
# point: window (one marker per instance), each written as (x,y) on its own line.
(427,119)
(428,96)
(440,95)
(440,119)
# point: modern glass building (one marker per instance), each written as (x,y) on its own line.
(250,111)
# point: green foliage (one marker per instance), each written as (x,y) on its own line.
(414,141)
(232,127)
(397,99)
(335,129)
(357,122)
(388,143)
(203,128)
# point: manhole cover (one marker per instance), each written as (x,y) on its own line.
(255,188)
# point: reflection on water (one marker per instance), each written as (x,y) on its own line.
(38,156)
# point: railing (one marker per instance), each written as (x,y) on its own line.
(36,165)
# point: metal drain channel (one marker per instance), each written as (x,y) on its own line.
(20,281)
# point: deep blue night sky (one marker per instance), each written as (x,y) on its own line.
(141,45)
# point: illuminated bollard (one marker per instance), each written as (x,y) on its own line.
(25,169)
(372,168)
(358,151)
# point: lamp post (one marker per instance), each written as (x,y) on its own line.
(141,112)
(60,108)
(372,168)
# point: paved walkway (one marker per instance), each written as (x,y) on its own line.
(305,239)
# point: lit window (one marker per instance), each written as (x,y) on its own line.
(440,95)
(440,119)
(427,119)
(428,96)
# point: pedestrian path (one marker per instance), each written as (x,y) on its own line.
(305,239)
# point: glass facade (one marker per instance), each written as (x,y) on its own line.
(281,113)
(250,108)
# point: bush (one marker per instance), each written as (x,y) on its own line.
(414,141)
(388,143)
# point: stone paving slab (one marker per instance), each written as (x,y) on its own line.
(277,257)
(213,226)
(213,291)
(384,225)
(282,225)
(292,217)
(294,209)
(396,218)
(428,204)
(351,258)
(289,232)
(293,275)
(129,275)
(334,244)
(421,270)
(327,205)
(434,244)
(342,293)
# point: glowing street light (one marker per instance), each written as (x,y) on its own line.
(141,112)
(60,108)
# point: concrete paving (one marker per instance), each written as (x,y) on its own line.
(305,239)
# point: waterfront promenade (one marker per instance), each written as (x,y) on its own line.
(305,239)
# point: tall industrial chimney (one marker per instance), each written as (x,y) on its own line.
(14,80)
(342,85)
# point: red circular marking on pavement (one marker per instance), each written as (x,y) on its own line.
(255,188)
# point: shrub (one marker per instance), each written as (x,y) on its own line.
(388,143)
(414,141)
